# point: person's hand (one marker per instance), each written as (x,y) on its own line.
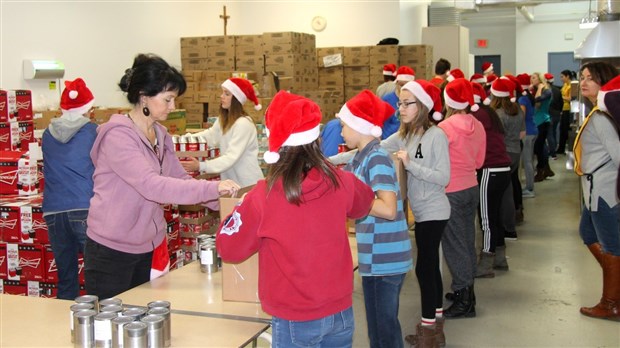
(403,156)
(228,187)
(191,164)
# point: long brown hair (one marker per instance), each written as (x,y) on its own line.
(504,103)
(229,116)
(419,125)
(293,166)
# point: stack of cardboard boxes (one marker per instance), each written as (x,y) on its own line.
(288,61)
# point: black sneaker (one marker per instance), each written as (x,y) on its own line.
(510,235)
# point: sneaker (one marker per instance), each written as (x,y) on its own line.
(528,194)
(510,235)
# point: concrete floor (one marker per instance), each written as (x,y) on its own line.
(536,303)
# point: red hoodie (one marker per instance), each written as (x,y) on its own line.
(305,262)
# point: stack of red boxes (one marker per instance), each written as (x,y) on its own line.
(16,124)
(26,261)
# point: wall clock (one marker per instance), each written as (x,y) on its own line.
(319,23)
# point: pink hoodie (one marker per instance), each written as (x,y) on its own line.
(131,183)
(467,145)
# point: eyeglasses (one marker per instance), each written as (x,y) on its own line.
(404,104)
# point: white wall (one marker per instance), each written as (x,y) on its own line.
(546,34)
(97,41)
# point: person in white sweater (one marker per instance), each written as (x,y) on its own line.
(235,134)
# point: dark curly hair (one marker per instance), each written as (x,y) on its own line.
(150,75)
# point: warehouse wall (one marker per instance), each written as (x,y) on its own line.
(98,40)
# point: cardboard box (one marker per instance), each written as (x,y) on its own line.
(240,280)
(356,56)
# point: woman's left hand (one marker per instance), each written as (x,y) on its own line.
(403,156)
(228,187)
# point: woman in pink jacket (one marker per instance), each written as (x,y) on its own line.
(467,144)
(136,171)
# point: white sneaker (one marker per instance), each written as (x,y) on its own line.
(528,194)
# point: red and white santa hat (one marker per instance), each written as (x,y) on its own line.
(549,77)
(365,113)
(455,74)
(405,73)
(524,81)
(608,98)
(428,94)
(479,93)
(516,83)
(76,98)
(478,78)
(459,94)
(487,67)
(290,120)
(502,88)
(243,90)
(389,70)
(491,78)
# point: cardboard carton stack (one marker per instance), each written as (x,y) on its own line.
(420,58)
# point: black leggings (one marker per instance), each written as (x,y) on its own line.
(564,128)
(427,238)
(539,146)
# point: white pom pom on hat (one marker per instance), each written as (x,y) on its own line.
(73,94)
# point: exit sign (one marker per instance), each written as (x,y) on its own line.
(482,43)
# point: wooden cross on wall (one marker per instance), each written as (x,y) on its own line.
(225,18)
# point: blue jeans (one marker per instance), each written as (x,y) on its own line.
(332,331)
(67,234)
(602,226)
(381,297)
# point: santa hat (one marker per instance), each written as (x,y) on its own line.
(243,90)
(487,67)
(608,98)
(365,113)
(455,74)
(428,94)
(491,78)
(389,69)
(459,94)
(405,73)
(524,81)
(160,263)
(502,88)
(549,77)
(516,83)
(479,93)
(478,78)
(76,98)
(290,120)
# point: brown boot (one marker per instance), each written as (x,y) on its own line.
(441,337)
(540,175)
(484,269)
(597,250)
(425,337)
(609,306)
(548,171)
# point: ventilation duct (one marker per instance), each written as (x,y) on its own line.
(604,40)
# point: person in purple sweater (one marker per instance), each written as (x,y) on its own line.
(136,172)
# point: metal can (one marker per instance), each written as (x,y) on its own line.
(117,330)
(182,143)
(111,309)
(89,299)
(175,142)
(192,143)
(165,313)
(158,304)
(208,258)
(110,301)
(84,328)
(76,308)
(134,335)
(103,329)
(154,331)
(135,312)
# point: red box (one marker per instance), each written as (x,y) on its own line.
(42,289)
(23,104)
(10,221)
(9,161)
(4,107)
(33,227)
(3,261)
(51,271)
(14,287)
(173,235)
(9,136)
(31,260)
(26,134)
